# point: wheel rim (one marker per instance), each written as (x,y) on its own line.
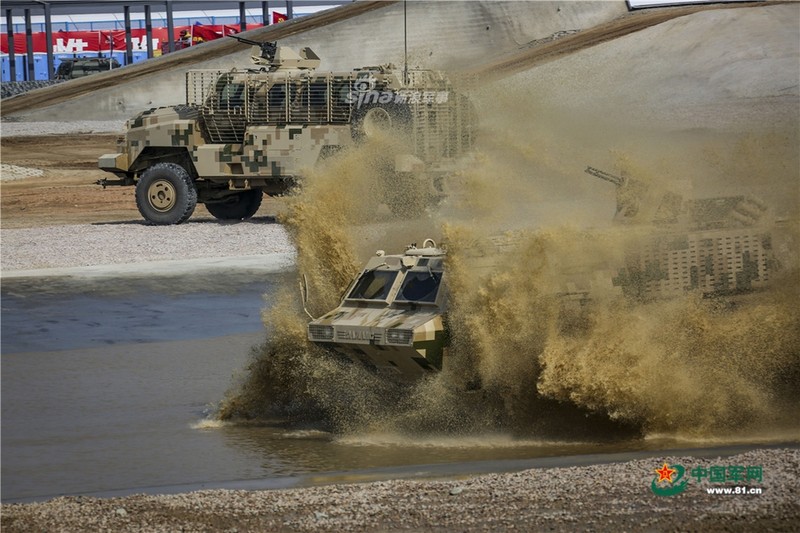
(377,119)
(161,195)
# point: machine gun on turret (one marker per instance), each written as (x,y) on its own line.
(275,57)
(637,202)
(619,181)
(266,50)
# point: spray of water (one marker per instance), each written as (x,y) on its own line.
(688,365)
(525,357)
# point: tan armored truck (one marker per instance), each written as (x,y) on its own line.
(391,319)
(243,133)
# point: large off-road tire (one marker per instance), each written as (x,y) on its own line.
(371,119)
(240,206)
(165,194)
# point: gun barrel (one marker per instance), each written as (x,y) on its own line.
(245,41)
(616,180)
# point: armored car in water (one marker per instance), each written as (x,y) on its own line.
(715,246)
(392,316)
(243,133)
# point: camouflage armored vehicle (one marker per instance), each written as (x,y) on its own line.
(243,133)
(716,246)
(392,316)
(79,67)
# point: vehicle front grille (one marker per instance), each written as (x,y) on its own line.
(320,332)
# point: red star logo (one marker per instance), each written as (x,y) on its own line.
(665,473)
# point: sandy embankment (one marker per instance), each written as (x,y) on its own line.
(610,497)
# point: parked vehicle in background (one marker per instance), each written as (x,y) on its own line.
(79,67)
(243,133)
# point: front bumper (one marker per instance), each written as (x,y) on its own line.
(113,162)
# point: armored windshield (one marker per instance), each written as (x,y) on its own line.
(374,285)
(420,286)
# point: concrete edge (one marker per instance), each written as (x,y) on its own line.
(261,263)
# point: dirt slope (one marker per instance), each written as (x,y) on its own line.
(537,53)
(221,47)
(569,44)
(554,119)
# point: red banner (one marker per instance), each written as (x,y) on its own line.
(80,42)
(277,17)
(20,43)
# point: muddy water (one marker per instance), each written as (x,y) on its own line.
(99,395)
(626,376)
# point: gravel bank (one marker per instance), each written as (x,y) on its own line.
(611,497)
(58,247)
(22,129)
(15,88)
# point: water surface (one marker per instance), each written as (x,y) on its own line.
(109,386)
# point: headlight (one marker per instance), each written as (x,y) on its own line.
(399,336)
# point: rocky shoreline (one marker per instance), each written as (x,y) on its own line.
(606,497)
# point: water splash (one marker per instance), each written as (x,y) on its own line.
(525,359)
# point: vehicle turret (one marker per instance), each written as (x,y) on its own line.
(273,57)
(717,245)
(638,202)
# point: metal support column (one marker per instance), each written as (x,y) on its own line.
(242,17)
(128,45)
(289,14)
(265,13)
(48,37)
(11,56)
(30,72)
(148,30)
(170,27)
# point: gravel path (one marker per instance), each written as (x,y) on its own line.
(611,497)
(122,244)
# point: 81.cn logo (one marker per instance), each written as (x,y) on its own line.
(669,480)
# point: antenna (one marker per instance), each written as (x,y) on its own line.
(405,45)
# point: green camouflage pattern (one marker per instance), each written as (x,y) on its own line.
(158,128)
(265,128)
(392,317)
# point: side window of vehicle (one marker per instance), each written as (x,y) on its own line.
(277,102)
(318,100)
(232,96)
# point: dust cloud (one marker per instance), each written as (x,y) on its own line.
(530,352)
